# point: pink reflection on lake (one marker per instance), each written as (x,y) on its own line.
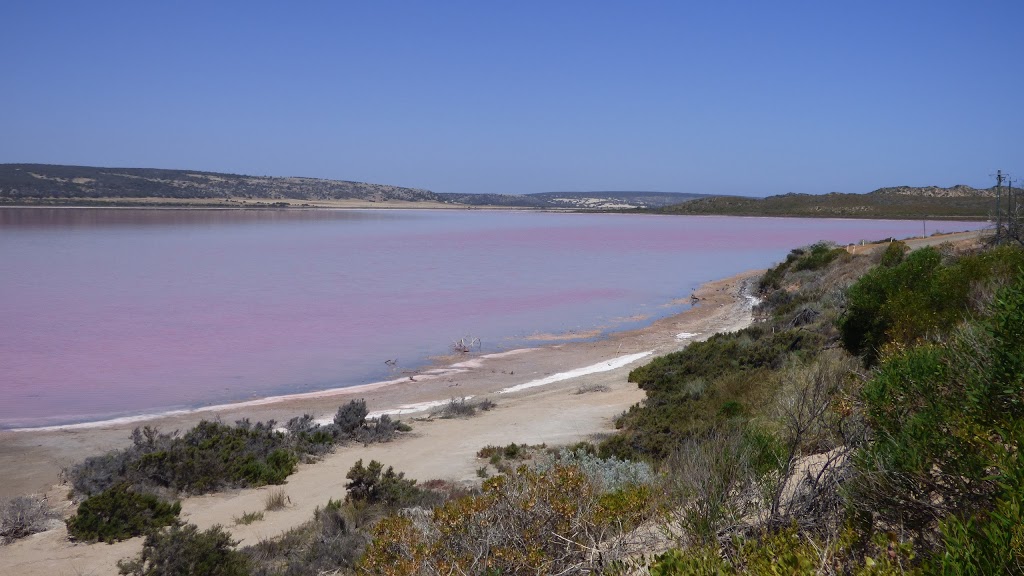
(118,312)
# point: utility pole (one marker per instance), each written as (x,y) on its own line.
(1011,210)
(999,220)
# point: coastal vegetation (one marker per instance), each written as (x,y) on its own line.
(119,513)
(213,455)
(129,492)
(463,408)
(185,550)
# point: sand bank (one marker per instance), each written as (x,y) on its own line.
(537,396)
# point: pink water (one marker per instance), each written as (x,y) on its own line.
(108,313)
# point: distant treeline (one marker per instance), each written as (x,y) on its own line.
(903,203)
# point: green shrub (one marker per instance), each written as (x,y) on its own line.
(990,541)
(905,303)
(813,257)
(706,385)
(351,416)
(185,551)
(374,485)
(213,455)
(119,513)
(949,424)
(698,561)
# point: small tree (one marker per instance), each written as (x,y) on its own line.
(374,485)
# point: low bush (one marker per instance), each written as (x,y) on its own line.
(525,522)
(186,551)
(462,408)
(248,518)
(382,429)
(588,388)
(913,298)
(371,484)
(119,513)
(455,408)
(351,416)
(813,257)
(213,455)
(949,422)
(511,451)
(607,474)
(22,516)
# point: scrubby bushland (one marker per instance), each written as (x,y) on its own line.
(949,423)
(22,516)
(706,385)
(119,513)
(911,467)
(909,300)
(213,455)
(526,522)
(334,539)
(813,257)
(330,543)
(187,551)
(372,484)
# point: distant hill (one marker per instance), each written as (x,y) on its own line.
(900,202)
(27,181)
(616,200)
(56,184)
(48,183)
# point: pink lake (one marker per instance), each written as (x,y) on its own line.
(116,312)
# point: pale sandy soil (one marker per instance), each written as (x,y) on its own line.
(30,461)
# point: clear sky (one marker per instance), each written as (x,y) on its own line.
(722,97)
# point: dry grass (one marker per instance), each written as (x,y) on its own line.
(248,518)
(462,408)
(22,516)
(276,500)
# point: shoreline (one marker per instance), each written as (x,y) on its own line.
(270,204)
(431,368)
(501,375)
(559,412)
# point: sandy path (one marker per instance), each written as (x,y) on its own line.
(551,413)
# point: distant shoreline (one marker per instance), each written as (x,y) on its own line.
(270,204)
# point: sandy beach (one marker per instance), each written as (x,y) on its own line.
(537,396)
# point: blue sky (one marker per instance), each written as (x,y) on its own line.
(722,97)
